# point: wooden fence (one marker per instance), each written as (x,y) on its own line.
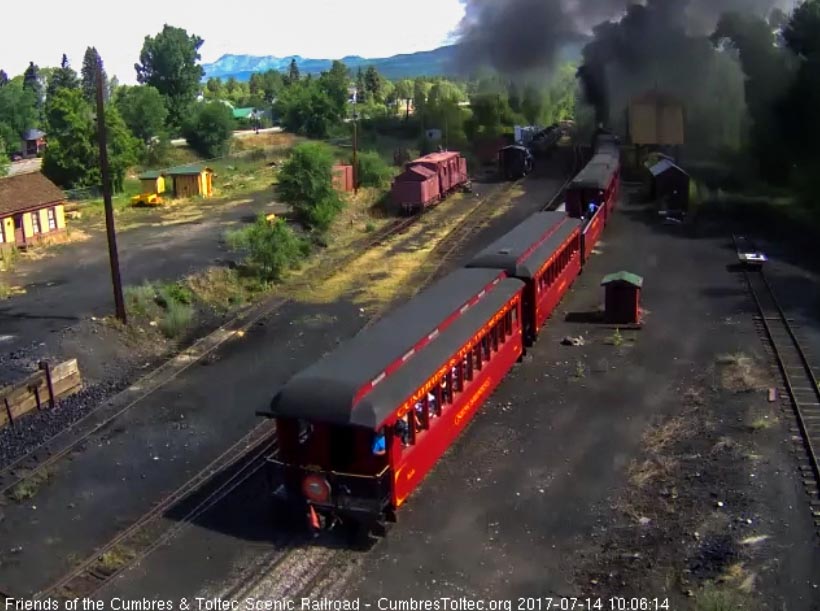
(39,391)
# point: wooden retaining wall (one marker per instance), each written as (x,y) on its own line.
(39,390)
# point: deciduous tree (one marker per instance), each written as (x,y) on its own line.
(209,129)
(143,110)
(306,183)
(169,62)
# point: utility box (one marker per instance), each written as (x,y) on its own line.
(623,296)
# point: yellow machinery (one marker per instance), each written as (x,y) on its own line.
(147,199)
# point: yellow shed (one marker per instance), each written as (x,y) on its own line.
(192,180)
(152,182)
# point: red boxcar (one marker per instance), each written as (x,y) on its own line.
(407,385)
(449,169)
(416,188)
(545,252)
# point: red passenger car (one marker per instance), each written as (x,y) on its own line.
(429,179)
(597,185)
(545,252)
(360,429)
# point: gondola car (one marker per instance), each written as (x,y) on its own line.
(409,384)
(545,253)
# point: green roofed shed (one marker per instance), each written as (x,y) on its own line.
(628,277)
(244,113)
(623,297)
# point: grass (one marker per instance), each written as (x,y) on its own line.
(222,289)
(616,339)
(176,320)
(8,259)
(580,369)
(29,487)
(740,373)
(115,559)
(716,598)
(168,305)
(5,291)
(761,424)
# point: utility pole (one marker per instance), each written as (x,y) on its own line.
(119,302)
(355,144)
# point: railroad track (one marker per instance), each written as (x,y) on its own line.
(799,384)
(38,461)
(152,529)
(226,473)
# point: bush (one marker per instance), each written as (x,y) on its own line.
(169,303)
(174,292)
(373,171)
(306,183)
(209,130)
(272,248)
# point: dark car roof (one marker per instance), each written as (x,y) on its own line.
(335,389)
(523,251)
(597,173)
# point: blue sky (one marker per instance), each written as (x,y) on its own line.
(311,28)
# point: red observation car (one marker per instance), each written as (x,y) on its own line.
(359,430)
(545,252)
(429,179)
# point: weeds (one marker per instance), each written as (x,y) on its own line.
(616,339)
(140,300)
(713,598)
(369,228)
(761,424)
(170,304)
(5,291)
(8,258)
(177,319)
(740,373)
(29,487)
(115,559)
(580,369)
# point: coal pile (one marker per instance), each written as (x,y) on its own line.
(39,426)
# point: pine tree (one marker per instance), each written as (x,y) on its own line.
(89,74)
(63,78)
(31,82)
(293,72)
(4,78)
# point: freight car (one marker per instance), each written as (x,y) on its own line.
(429,179)
(359,430)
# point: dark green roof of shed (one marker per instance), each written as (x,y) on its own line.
(186,170)
(628,277)
(150,175)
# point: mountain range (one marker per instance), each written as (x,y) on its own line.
(424,63)
(438,62)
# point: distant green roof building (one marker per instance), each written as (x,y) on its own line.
(244,113)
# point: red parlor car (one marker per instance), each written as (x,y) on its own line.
(545,252)
(360,429)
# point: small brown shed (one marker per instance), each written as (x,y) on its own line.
(191,180)
(670,183)
(623,296)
